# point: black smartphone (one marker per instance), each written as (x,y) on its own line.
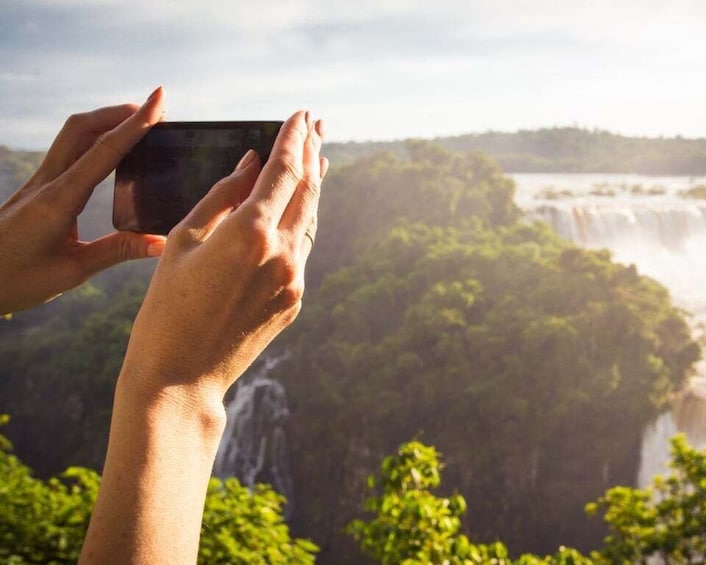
(163,177)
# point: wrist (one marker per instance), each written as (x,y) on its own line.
(162,445)
(195,404)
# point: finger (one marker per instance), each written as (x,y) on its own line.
(78,134)
(304,203)
(118,247)
(309,239)
(225,196)
(103,156)
(324,165)
(283,170)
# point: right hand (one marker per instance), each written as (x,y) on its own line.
(232,274)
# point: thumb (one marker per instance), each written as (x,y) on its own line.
(119,247)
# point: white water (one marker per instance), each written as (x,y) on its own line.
(254,444)
(664,235)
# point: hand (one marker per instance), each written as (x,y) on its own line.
(41,255)
(232,274)
(229,280)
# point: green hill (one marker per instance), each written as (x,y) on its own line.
(15,168)
(565,150)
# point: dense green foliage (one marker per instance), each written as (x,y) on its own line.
(413,526)
(363,201)
(70,350)
(241,527)
(565,150)
(44,522)
(667,520)
(431,311)
(532,363)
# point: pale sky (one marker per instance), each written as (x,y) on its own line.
(375,69)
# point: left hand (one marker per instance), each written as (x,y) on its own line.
(41,255)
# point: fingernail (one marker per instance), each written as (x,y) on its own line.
(246,160)
(154,94)
(320,127)
(307,119)
(155,249)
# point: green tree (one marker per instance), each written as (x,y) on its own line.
(44,522)
(561,150)
(667,519)
(57,375)
(532,363)
(430,308)
(243,527)
(413,526)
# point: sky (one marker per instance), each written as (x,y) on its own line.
(374,69)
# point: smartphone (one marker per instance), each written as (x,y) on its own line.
(165,175)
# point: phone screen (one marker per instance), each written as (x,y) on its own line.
(174,166)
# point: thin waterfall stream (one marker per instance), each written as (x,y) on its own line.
(254,445)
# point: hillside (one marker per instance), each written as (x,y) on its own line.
(560,149)
(432,311)
(563,150)
(15,168)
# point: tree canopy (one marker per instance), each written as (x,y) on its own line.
(410,524)
(433,311)
(561,150)
(534,364)
(44,522)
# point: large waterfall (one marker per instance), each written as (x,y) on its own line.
(254,444)
(649,222)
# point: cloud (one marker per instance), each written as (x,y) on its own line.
(438,66)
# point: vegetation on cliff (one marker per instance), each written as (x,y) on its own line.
(533,364)
(432,311)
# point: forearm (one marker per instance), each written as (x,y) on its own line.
(156,473)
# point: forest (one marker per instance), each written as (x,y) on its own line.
(562,150)
(432,312)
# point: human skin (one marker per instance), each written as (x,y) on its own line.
(230,279)
(41,254)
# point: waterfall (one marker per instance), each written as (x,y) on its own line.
(665,239)
(646,222)
(687,416)
(254,444)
